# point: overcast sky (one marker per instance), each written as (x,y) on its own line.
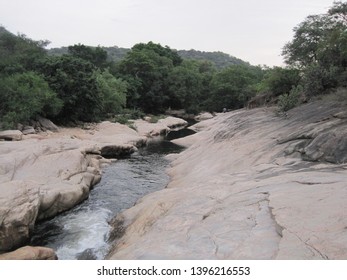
(253,30)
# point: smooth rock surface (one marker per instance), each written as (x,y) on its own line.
(244,189)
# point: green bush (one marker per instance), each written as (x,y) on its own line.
(289,100)
(133,114)
(25,95)
(128,114)
(74,81)
(113,92)
(122,119)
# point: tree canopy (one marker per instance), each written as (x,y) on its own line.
(319,49)
(146,68)
(83,83)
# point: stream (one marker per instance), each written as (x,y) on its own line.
(82,233)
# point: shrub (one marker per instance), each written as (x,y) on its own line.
(25,95)
(289,100)
(74,81)
(113,92)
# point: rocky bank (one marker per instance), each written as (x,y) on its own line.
(44,174)
(251,185)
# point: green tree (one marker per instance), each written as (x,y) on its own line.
(160,50)
(74,81)
(19,53)
(188,85)
(319,49)
(233,87)
(280,80)
(308,35)
(146,68)
(25,95)
(95,55)
(113,92)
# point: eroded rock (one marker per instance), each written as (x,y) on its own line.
(330,146)
(243,191)
(49,173)
(19,207)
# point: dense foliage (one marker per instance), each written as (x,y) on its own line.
(319,50)
(23,95)
(82,83)
(218,59)
(73,79)
(146,68)
(316,59)
(72,87)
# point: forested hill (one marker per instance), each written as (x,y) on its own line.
(3,30)
(220,59)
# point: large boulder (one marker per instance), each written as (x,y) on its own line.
(203,116)
(11,135)
(28,130)
(47,124)
(30,253)
(162,127)
(19,207)
(39,179)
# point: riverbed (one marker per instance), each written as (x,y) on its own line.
(82,232)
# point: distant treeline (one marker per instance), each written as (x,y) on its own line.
(116,54)
(82,83)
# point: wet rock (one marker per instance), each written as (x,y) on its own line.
(88,254)
(116,151)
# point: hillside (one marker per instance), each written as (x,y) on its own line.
(219,59)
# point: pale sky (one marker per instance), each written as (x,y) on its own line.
(254,31)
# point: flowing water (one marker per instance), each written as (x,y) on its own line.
(82,232)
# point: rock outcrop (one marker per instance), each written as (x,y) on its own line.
(203,116)
(162,127)
(11,135)
(47,124)
(30,253)
(48,173)
(251,185)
